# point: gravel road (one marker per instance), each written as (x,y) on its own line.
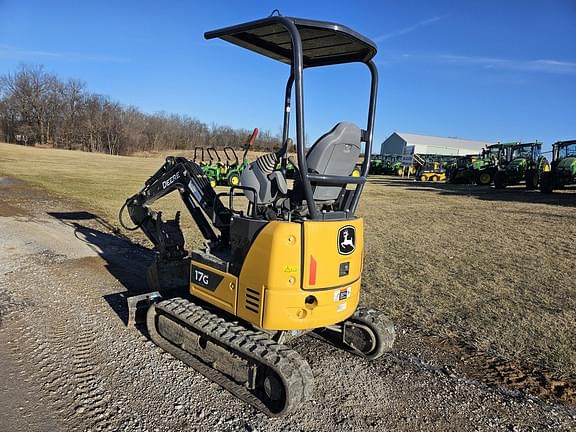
(69,362)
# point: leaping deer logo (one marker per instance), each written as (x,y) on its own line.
(346,240)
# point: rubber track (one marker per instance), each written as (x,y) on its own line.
(249,344)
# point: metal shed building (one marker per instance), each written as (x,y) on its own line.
(431,145)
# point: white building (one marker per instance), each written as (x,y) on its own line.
(431,145)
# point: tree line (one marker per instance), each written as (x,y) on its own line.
(37,107)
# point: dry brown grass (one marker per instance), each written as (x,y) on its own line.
(190,154)
(492,269)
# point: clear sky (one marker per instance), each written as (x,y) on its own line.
(488,70)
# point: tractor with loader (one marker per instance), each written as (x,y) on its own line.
(524,163)
(562,171)
(287,265)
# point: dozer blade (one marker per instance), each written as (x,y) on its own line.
(138,305)
(169,277)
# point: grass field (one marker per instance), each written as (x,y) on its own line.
(492,269)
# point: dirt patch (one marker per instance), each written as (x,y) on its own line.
(463,360)
(7,210)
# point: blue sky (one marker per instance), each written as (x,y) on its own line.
(490,70)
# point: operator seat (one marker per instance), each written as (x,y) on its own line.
(334,153)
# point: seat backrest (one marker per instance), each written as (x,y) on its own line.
(334,153)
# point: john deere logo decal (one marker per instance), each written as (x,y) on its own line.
(346,240)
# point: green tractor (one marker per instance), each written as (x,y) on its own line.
(485,167)
(235,168)
(524,163)
(396,168)
(290,170)
(216,170)
(563,168)
(376,165)
(392,164)
(199,159)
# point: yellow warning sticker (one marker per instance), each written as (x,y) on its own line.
(290,269)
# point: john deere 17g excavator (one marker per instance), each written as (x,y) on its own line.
(290,263)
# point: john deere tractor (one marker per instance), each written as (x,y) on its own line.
(234,165)
(376,165)
(396,167)
(216,169)
(563,168)
(524,165)
(485,167)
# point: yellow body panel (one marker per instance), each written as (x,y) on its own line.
(273,261)
(279,290)
(287,310)
(223,296)
(321,247)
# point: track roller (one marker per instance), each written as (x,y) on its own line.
(249,364)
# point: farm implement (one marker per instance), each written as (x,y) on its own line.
(290,263)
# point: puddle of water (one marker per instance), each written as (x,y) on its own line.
(5,181)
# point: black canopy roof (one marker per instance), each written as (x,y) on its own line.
(323,43)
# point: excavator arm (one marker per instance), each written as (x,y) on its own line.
(210,215)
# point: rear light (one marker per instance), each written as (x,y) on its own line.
(312,277)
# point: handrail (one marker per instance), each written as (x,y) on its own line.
(335,180)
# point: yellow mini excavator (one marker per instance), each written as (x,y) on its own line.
(288,264)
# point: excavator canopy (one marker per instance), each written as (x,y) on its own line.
(323,43)
(304,43)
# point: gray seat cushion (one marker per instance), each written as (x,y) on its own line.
(335,153)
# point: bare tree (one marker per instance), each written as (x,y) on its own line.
(46,110)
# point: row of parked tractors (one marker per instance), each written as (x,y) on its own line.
(224,170)
(501,164)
